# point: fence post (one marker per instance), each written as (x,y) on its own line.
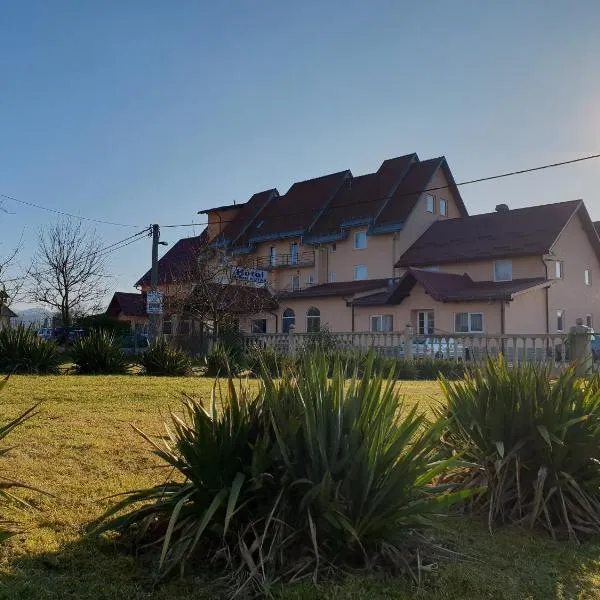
(291,341)
(408,341)
(581,344)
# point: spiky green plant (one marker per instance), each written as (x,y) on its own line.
(162,358)
(23,351)
(536,441)
(219,361)
(99,353)
(7,484)
(309,475)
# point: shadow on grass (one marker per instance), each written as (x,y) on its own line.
(513,564)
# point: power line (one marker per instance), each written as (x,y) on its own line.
(432,189)
(65,214)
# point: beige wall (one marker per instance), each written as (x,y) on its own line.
(571,294)
(334,313)
(526,313)
(483,270)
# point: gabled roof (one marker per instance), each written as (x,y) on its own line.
(176,262)
(127,304)
(6,313)
(338,288)
(518,232)
(449,287)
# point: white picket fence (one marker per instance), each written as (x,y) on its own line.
(553,348)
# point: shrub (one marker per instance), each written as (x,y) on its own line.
(162,358)
(8,485)
(536,444)
(219,361)
(23,351)
(99,353)
(268,361)
(432,368)
(308,475)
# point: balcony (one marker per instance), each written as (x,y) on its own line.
(284,261)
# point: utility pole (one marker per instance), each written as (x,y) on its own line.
(154,316)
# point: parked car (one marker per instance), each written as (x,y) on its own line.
(74,335)
(438,347)
(46,332)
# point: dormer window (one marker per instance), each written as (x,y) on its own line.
(430,203)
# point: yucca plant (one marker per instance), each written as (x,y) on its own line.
(7,484)
(162,358)
(536,441)
(23,351)
(99,353)
(219,361)
(308,475)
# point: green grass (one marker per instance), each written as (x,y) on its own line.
(82,448)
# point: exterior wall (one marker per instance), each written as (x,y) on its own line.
(245,322)
(218,220)
(526,313)
(335,315)
(419,220)
(571,294)
(483,270)
(406,312)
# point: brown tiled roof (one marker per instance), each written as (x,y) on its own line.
(6,313)
(128,304)
(519,232)
(175,263)
(296,210)
(363,197)
(339,288)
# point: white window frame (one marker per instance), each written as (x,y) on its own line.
(294,253)
(559,269)
(380,323)
(332,276)
(293,279)
(428,208)
(503,260)
(469,322)
(356,268)
(560,315)
(428,315)
(356,238)
(443,203)
(587,276)
(310,279)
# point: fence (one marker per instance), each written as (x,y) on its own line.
(557,349)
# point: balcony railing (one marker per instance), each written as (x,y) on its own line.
(282,261)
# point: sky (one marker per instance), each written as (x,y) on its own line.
(147,111)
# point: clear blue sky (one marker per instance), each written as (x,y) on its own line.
(148,111)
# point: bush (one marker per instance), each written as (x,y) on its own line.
(220,362)
(162,358)
(536,444)
(99,353)
(23,351)
(268,361)
(101,321)
(432,368)
(309,475)
(6,489)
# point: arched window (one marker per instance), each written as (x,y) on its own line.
(313,320)
(289,318)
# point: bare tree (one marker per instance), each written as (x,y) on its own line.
(11,283)
(68,272)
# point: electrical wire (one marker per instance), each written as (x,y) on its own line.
(65,214)
(432,189)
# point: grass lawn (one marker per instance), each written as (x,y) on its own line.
(82,448)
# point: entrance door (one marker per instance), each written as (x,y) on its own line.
(425,322)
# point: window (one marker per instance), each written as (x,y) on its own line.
(272,256)
(332,276)
(311,279)
(589,321)
(313,320)
(360,272)
(503,270)
(560,320)
(587,274)
(558,269)
(293,253)
(430,203)
(333,247)
(360,240)
(468,322)
(443,208)
(382,323)
(259,326)
(289,319)
(426,322)
(295,282)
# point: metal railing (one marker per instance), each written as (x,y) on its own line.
(299,259)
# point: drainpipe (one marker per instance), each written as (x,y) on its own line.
(547,298)
(502,317)
(351,305)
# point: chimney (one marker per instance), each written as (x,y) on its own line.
(502,208)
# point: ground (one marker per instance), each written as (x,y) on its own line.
(81,448)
